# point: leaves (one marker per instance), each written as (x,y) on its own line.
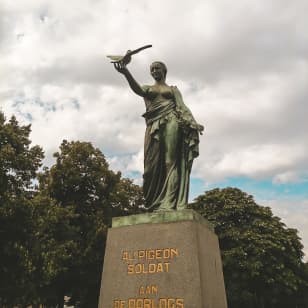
(262,258)
(19,163)
(82,181)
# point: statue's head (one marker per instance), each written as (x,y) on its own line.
(158,70)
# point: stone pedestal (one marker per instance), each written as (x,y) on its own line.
(162,260)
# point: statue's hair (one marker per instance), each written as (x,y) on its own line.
(162,64)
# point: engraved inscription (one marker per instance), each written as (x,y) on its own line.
(149,261)
(150,268)
(149,303)
(146,290)
(150,254)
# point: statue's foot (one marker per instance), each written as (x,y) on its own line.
(161,209)
(182,207)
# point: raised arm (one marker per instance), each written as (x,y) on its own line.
(134,85)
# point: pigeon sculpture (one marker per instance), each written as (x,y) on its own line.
(128,56)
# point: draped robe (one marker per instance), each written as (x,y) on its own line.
(170,145)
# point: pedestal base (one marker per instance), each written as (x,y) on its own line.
(162,260)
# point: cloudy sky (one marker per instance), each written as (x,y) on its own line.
(242,67)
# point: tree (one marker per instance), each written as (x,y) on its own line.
(19,163)
(304,290)
(53,247)
(81,180)
(52,235)
(262,258)
(126,199)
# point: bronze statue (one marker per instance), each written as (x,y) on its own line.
(171,140)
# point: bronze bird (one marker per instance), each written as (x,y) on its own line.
(128,56)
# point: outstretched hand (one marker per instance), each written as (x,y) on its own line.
(120,67)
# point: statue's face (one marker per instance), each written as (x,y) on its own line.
(157,71)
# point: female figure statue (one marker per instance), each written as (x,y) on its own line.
(171,140)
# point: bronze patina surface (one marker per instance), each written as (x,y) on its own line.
(160,217)
(171,140)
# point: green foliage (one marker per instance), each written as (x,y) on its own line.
(126,199)
(262,258)
(303,292)
(52,236)
(81,180)
(53,247)
(81,176)
(19,163)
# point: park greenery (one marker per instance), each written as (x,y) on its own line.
(54,221)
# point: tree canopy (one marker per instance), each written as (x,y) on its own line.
(53,222)
(82,181)
(19,163)
(262,258)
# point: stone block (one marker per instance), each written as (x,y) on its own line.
(162,260)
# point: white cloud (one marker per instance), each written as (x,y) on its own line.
(294,214)
(242,72)
(242,68)
(286,177)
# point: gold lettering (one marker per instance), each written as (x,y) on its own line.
(158,253)
(152,268)
(125,256)
(151,254)
(139,303)
(163,303)
(147,290)
(138,268)
(147,303)
(143,270)
(128,256)
(166,253)
(174,252)
(130,269)
(131,303)
(171,303)
(118,304)
(159,268)
(141,291)
(141,254)
(167,266)
(143,302)
(179,303)
(154,289)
